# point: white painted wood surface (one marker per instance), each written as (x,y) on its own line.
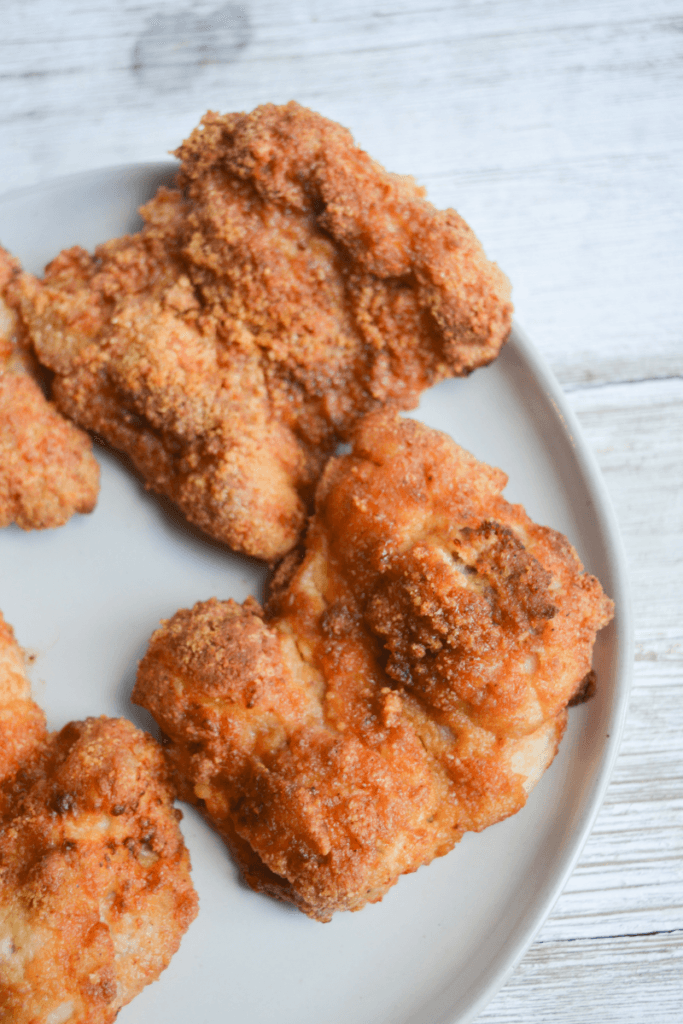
(556,129)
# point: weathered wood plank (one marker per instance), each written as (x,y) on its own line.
(593,981)
(636,432)
(580,239)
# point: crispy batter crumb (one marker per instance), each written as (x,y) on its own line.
(47,469)
(407,682)
(95,891)
(22,723)
(286,287)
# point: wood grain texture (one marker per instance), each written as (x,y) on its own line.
(594,981)
(557,131)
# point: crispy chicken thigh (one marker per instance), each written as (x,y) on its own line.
(22,722)
(95,890)
(408,681)
(47,469)
(285,288)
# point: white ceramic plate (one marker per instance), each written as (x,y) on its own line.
(85,598)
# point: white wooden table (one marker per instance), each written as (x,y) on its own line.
(556,129)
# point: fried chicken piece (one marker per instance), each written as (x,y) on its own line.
(47,469)
(288,286)
(22,722)
(408,681)
(95,890)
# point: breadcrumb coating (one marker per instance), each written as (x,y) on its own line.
(47,469)
(407,682)
(22,722)
(286,287)
(95,890)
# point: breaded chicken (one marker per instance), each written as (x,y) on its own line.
(47,469)
(22,722)
(95,890)
(288,286)
(408,681)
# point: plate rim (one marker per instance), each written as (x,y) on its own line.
(504,964)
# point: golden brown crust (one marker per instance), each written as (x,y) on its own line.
(482,611)
(47,469)
(289,286)
(22,722)
(407,683)
(95,891)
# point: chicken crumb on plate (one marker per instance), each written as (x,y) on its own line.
(47,469)
(95,889)
(22,722)
(407,682)
(287,286)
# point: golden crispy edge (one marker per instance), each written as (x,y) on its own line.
(47,470)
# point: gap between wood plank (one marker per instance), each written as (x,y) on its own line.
(572,388)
